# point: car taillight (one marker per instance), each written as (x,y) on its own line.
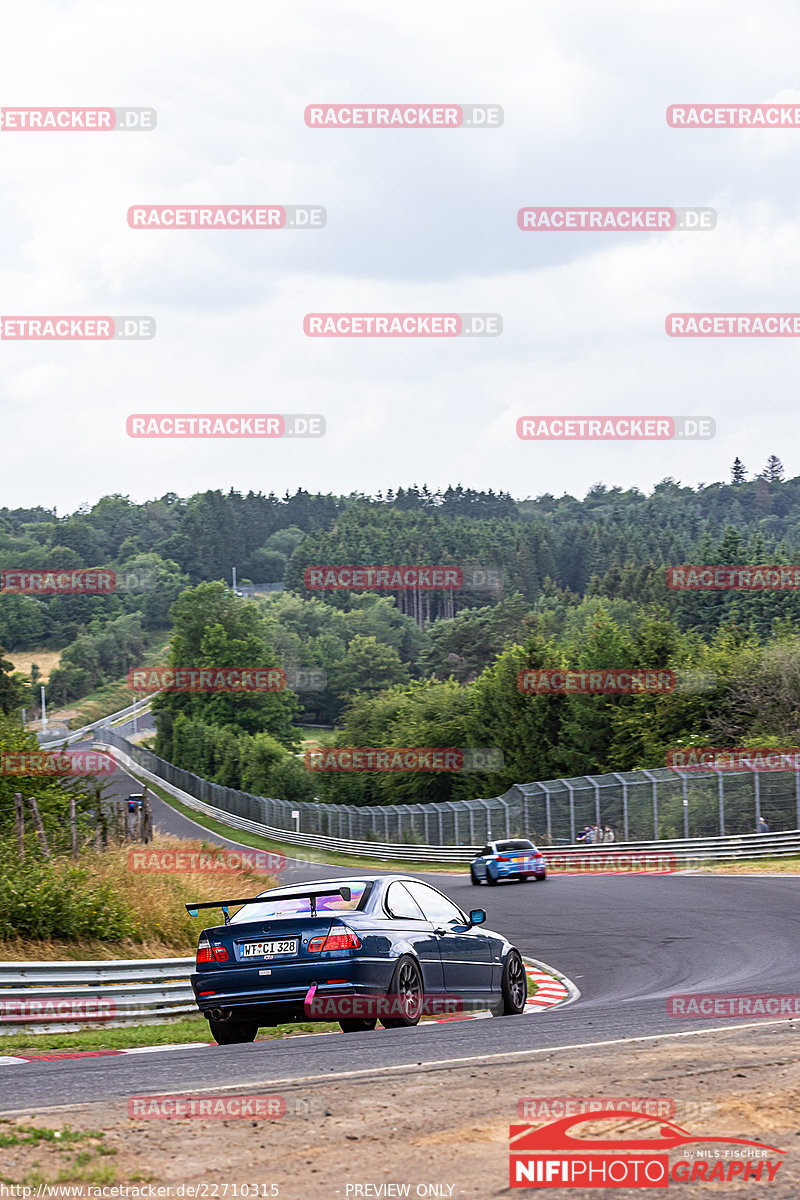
(206,952)
(339,937)
(504,859)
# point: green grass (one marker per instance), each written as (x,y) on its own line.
(290,850)
(71,1163)
(189,1029)
(29,1135)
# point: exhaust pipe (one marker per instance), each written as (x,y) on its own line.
(220,1014)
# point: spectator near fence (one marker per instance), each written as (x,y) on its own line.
(608,835)
(763,827)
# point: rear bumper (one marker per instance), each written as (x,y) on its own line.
(248,993)
(512,871)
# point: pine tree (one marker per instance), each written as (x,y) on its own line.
(773,471)
(738,471)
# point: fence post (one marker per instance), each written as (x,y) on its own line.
(37,820)
(797,795)
(571,791)
(654,782)
(147,818)
(488,810)
(757,796)
(624,805)
(548,816)
(73,827)
(721,788)
(684,781)
(19,823)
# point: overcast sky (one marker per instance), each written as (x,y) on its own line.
(417,221)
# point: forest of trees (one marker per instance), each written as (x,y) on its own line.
(582,583)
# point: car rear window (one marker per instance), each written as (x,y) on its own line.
(288,906)
(519,844)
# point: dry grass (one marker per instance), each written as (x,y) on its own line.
(162,927)
(46,661)
(790,865)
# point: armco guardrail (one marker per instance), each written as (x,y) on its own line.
(75,735)
(761,845)
(50,997)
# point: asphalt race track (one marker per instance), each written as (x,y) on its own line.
(627,942)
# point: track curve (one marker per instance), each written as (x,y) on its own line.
(627,942)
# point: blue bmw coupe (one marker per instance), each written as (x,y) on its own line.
(360,950)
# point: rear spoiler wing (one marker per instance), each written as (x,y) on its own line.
(344,892)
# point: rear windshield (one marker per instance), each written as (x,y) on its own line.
(287,906)
(519,844)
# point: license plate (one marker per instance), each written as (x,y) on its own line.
(262,949)
(522,860)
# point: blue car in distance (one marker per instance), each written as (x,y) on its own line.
(514,858)
(389,948)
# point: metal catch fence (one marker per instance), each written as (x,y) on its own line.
(639,806)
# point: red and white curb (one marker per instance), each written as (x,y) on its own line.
(552,988)
(59,1055)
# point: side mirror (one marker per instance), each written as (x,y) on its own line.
(477,916)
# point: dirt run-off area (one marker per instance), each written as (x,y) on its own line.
(428,1131)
